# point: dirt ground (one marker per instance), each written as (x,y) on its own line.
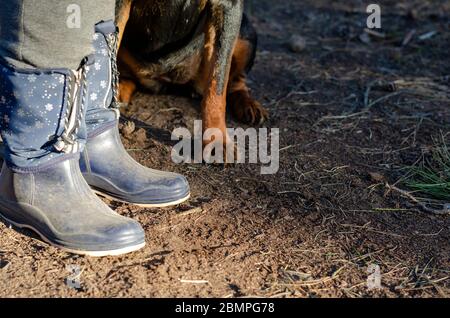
(315,228)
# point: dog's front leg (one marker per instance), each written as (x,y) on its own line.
(221,37)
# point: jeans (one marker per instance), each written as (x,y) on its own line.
(42,43)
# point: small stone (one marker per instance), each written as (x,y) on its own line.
(297,43)
(375,176)
(447,207)
(128,129)
(276,26)
(365,38)
(141,136)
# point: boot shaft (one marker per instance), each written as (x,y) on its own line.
(42,115)
(103,80)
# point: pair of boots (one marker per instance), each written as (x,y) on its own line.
(60,129)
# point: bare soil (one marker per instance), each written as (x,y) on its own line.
(313,229)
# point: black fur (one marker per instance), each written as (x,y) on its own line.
(166,32)
(168,24)
(249,34)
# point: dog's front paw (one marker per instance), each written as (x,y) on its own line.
(246,109)
(255,113)
(219,149)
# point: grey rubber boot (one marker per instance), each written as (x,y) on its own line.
(59,205)
(41,186)
(106,165)
(113,173)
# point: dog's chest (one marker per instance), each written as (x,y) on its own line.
(154,24)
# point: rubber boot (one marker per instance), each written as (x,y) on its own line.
(41,186)
(106,165)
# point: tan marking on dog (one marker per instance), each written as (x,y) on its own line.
(122,18)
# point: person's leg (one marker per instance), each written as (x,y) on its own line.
(105,164)
(43,92)
(47,33)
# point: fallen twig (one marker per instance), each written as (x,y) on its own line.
(188,281)
(422,205)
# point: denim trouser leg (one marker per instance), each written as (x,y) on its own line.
(42,103)
(49,33)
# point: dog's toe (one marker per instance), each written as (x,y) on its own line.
(247,110)
(256,114)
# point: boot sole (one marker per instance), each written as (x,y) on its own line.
(115,252)
(158,205)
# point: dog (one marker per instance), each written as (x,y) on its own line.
(208,45)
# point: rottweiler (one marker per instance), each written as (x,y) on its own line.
(209,45)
